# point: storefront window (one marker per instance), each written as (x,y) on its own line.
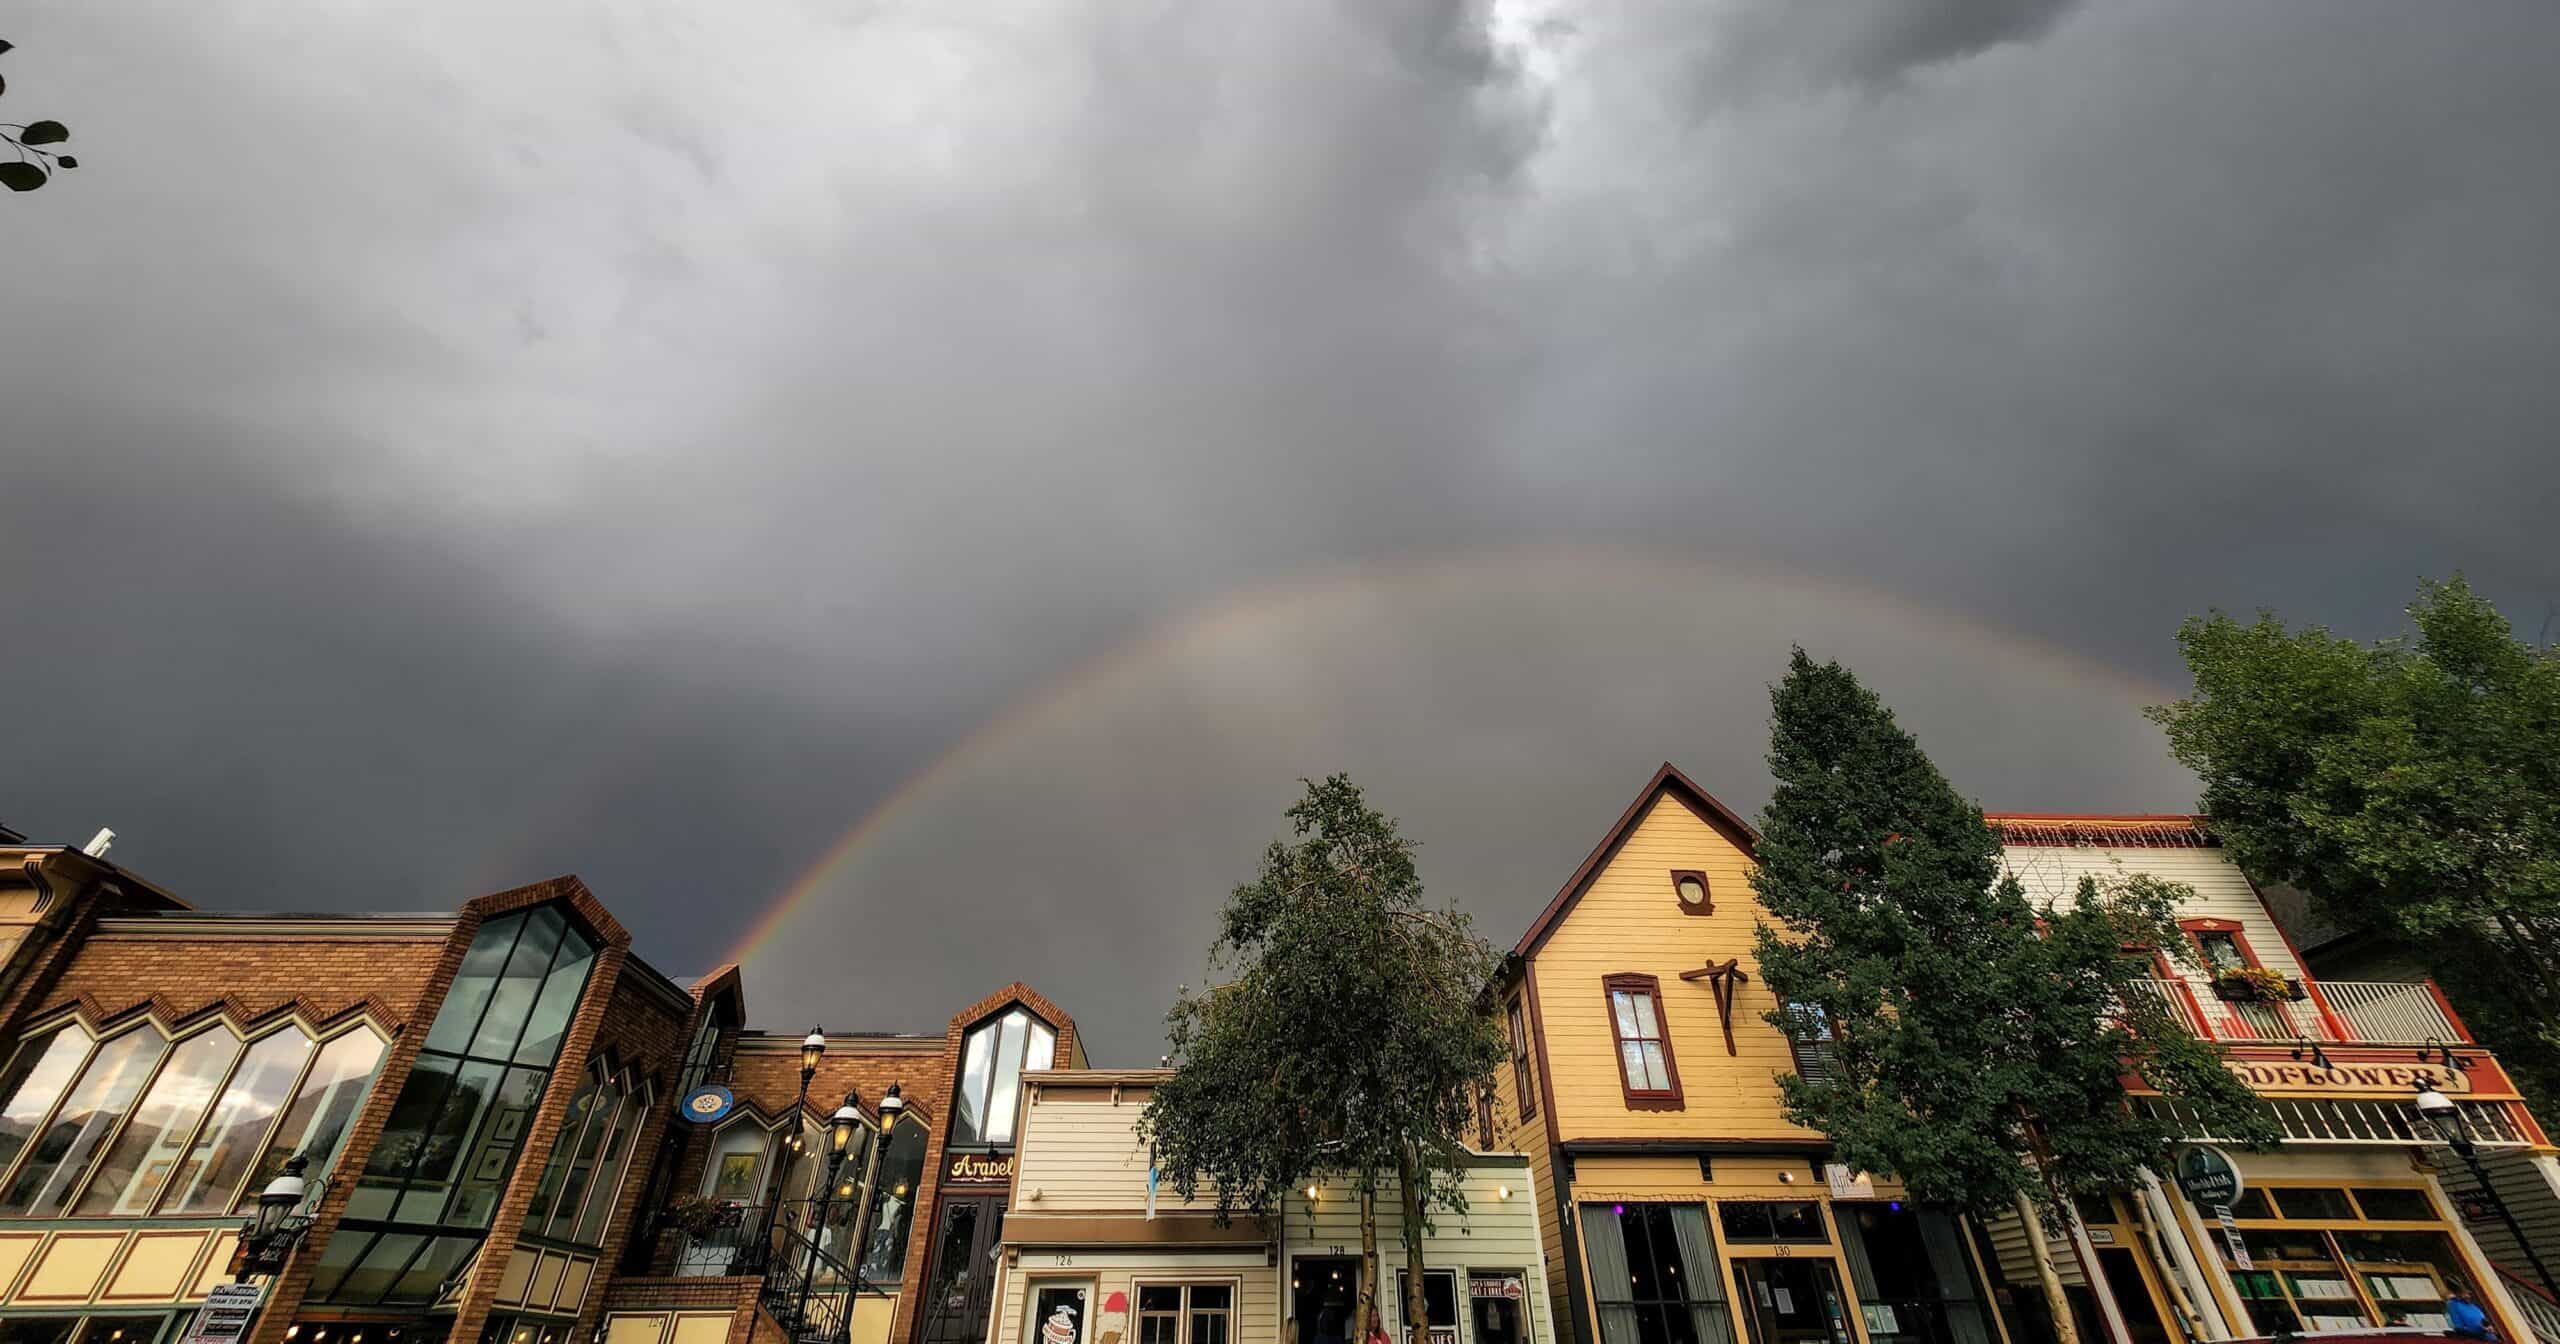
(1198,1313)
(1439,1300)
(893,1199)
(1498,1300)
(1908,1267)
(1654,1276)
(992,1063)
(2316,1266)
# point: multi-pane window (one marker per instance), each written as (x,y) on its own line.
(135,1125)
(1186,1313)
(1644,1047)
(1654,1277)
(417,1212)
(992,1062)
(1523,1087)
(575,1196)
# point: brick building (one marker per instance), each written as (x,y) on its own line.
(490,1104)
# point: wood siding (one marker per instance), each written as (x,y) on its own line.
(1495,1232)
(2052,873)
(1630,921)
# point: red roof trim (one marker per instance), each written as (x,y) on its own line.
(1668,779)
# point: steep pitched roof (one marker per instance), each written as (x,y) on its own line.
(1667,780)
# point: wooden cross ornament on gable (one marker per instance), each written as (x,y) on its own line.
(1722,979)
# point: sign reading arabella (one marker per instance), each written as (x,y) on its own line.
(2208,1177)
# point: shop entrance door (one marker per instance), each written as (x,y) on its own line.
(1321,1289)
(966,1241)
(1792,1301)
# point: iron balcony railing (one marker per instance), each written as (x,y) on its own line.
(2372,1012)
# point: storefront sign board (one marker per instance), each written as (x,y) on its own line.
(978,1169)
(2208,1177)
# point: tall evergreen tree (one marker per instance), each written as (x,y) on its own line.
(1978,1044)
(2412,786)
(1345,1039)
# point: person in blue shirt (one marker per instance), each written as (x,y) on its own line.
(2464,1317)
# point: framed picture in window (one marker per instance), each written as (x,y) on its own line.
(508,1125)
(491,1166)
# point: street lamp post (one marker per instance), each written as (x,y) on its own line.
(892,1105)
(840,1131)
(2445,1116)
(274,1228)
(813,1047)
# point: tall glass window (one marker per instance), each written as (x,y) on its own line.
(992,1062)
(575,1196)
(220,1156)
(143,1157)
(463,1115)
(893,1201)
(1654,1275)
(36,1076)
(322,1108)
(90,1111)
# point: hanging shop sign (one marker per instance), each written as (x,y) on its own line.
(1847,1184)
(226,1314)
(2208,1177)
(708,1104)
(978,1169)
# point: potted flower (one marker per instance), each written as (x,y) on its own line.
(698,1216)
(2254,984)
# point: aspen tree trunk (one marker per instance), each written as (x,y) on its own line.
(1368,1258)
(2056,1302)
(1417,1302)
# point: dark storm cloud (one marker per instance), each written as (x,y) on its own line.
(635,446)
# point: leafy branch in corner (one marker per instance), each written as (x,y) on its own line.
(34,164)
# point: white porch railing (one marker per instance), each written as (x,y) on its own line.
(2389,1012)
(2377,1012)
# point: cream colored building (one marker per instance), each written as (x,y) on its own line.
(1088,1258)
(1484,1273)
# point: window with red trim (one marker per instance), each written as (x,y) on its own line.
(2220,945)
(1645,1066)
(1523,1086)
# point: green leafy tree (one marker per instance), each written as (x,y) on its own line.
(1345,1039)
(34,164)
(1978,1045)
(2411,786)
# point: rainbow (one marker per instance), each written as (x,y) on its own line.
(1526,565)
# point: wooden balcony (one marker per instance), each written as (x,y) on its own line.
(2367,1012)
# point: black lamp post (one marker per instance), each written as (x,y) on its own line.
(892,1106)
(813,1047)
(846,1122)
(272,1231)
(2445,1117)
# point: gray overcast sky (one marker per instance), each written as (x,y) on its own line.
(446,445)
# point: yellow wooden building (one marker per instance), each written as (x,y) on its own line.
(1679,1204)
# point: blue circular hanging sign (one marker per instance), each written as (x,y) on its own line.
(708,1104)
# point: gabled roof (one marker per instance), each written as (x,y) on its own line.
(1667,780)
